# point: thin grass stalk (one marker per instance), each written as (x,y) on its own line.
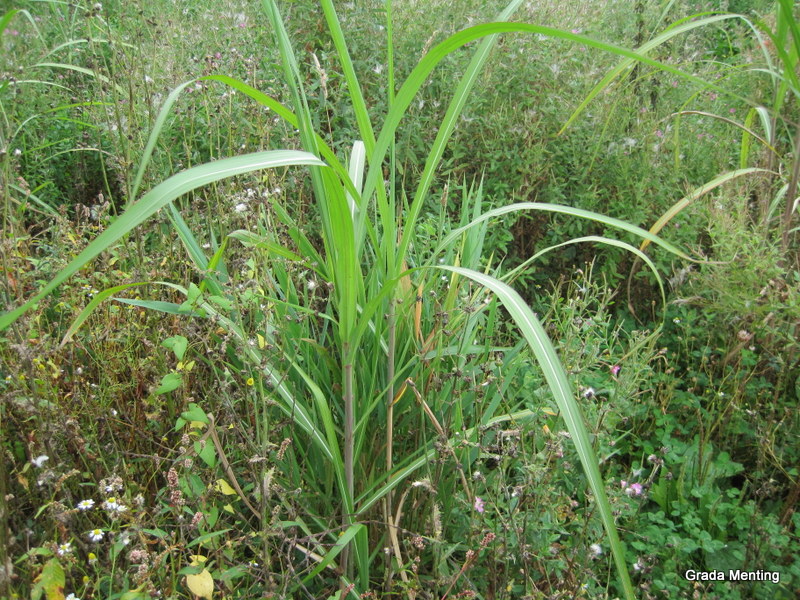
(6,568)
(392,315)
(349,446)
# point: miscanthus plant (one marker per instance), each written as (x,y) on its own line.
(357,369)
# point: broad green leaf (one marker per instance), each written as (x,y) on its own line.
(222,302)
(195,413)
(207,453)
(170,382)
(178,344)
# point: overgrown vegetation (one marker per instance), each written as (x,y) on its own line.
(267,266)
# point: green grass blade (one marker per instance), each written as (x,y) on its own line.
(9,16)
(83,70)
(628,61)
(567,210)
(157,198)
(95,302)
(353,87)
(169,308)
(7,19)
(158,126)
(253,240)
(454,110)
(356,174)
(34,198)
(694,195)
(194,250)
(279,109)
(559,385)
(745,127)
(511,275)
(787,16)
(341,542)
(284,113)
(420,73)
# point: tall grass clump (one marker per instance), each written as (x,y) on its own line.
(367,347)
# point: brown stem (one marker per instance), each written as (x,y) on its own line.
(791,193)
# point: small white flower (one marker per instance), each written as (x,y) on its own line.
(148,79)
(85,504)
(596,550)
(17,152)
(311,285)
(72,597)
(240,208)
(96,535)
(111,505)
(39,461)
(64,548)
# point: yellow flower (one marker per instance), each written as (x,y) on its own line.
(250,381)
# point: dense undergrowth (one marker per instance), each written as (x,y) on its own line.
(193,433)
